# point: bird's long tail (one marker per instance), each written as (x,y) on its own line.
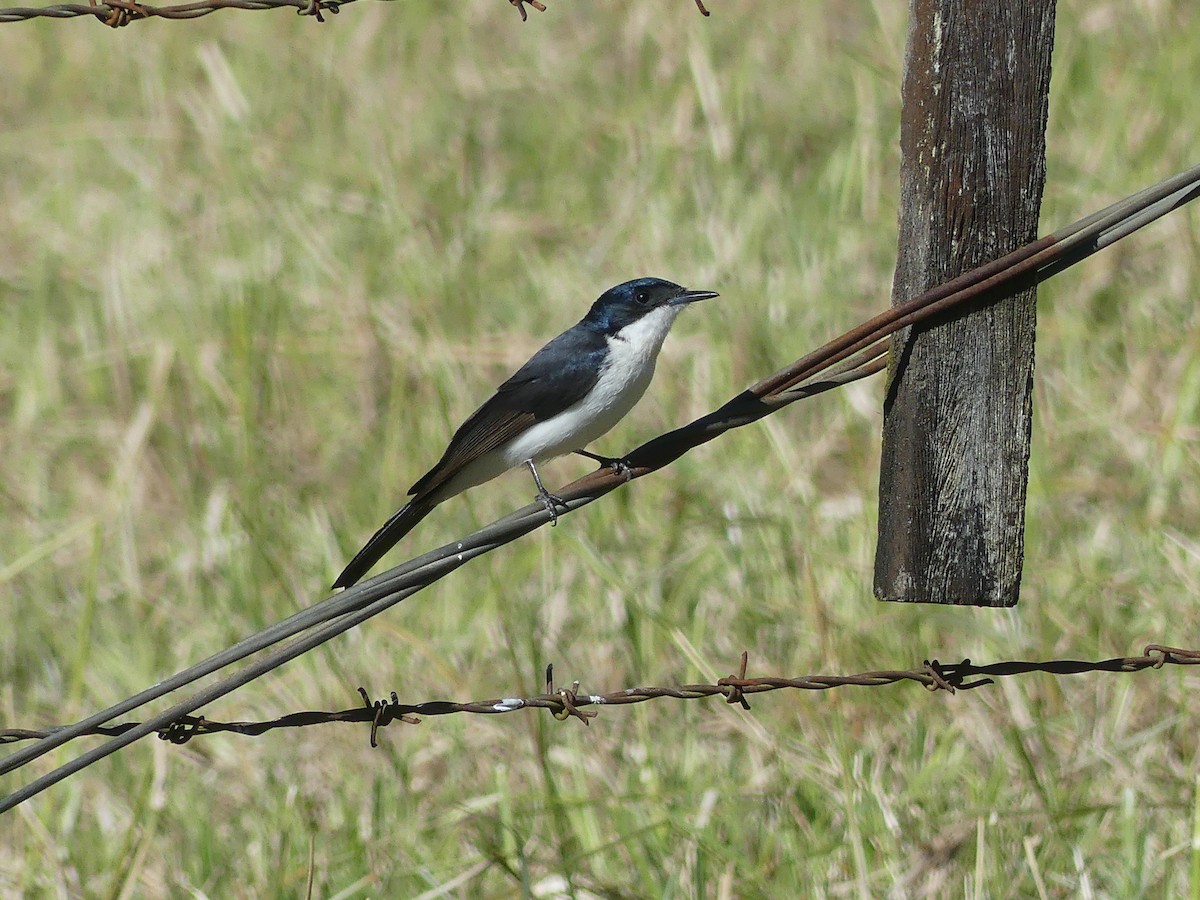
(383,540)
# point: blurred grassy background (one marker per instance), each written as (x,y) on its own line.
(255,272)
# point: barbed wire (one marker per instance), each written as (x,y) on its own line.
(567,703)
(119,13)
(856,354)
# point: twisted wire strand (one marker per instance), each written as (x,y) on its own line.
(570,702)
(119,13)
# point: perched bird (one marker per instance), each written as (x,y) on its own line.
(570,392)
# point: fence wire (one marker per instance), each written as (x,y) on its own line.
(119,13)
(567,703)
(858,353)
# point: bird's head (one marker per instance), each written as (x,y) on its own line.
(623,305)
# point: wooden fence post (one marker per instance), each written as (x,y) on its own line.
(959,402)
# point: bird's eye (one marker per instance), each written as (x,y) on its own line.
(642,297)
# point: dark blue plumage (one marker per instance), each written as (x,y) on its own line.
(569,393)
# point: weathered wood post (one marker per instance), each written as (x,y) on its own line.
(958,407)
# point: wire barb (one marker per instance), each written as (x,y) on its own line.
(184,730)
(121,12)
(520,5)
(316,7)
(569,699)
(1163,655)
(937,678)
(735,682)
(384,713)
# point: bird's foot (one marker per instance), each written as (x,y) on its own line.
(549,500)
(616,464)
(552,502)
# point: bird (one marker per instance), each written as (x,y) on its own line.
(569,393)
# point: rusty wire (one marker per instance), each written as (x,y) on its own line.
(567,703)
(857,354)
(119,13)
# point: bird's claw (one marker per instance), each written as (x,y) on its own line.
(618,465)
(622,468)
(552,502)
(548,499)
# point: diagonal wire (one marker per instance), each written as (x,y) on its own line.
(856,354)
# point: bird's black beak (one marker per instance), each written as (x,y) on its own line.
(693,296)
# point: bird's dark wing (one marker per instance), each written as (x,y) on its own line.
(556,377)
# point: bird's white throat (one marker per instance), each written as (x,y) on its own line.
(633,350)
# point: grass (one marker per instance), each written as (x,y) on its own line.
(256,270)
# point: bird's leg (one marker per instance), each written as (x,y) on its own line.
(617,465)
(548,499)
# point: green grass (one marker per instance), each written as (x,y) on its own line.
(255,272)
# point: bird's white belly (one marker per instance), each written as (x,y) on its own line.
(620,386)
(622,382)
